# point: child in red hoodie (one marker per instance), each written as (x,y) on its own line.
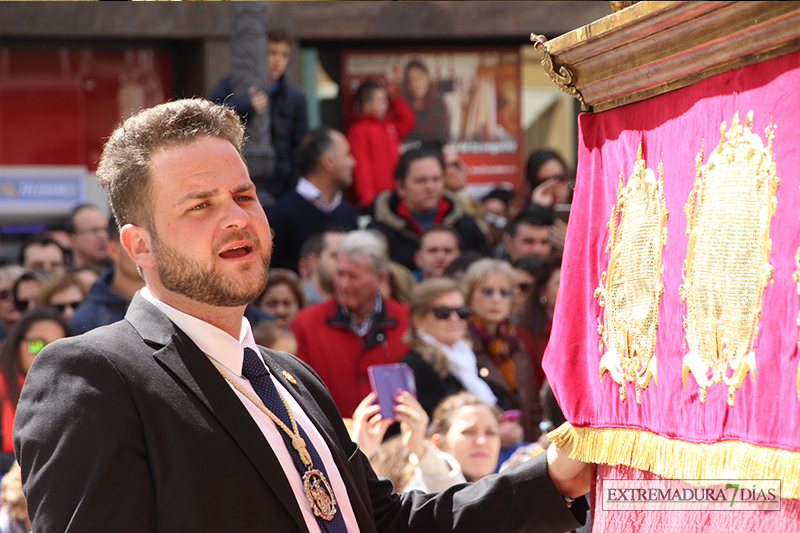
(382,120)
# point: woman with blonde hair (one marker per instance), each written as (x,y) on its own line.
(442,361)
(65,293)
(399,283)
(503,360)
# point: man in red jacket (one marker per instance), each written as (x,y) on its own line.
(382,120)
(342,336)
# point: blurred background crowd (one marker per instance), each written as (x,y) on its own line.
(418,193)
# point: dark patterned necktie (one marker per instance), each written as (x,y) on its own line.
(258,375)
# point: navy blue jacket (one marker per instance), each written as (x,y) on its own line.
(294,218)
(102,306)
(288,124)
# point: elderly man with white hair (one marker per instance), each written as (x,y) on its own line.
(343,335)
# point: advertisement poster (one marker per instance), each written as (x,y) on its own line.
(468,97)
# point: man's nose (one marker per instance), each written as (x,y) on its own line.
(235,216)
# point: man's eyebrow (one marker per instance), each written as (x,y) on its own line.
(198,195)
(201,195)
(248,187)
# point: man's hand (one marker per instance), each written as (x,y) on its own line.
(258,99)
(571,477)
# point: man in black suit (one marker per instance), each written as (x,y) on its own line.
(133,427)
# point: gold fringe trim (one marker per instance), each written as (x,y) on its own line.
(678,459)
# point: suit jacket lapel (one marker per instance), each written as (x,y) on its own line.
(177,353)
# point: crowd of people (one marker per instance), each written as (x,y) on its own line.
(462,290)
(429,291)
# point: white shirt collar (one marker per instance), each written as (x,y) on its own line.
(311,192)
(215,343)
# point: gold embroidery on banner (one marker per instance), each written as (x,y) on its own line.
(727,266)
(630,290)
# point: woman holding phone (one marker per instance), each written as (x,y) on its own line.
(462,443)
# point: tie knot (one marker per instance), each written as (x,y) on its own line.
(252,367)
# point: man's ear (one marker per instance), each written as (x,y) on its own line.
(137,242)
(326,162)
(418,258)
(382,277)
(508,241)
(306,265)
(398,188)
(114,248)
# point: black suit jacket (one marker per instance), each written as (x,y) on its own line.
(130,428)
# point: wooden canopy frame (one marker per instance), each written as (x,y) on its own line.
(651,48)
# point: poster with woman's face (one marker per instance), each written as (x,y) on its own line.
(470,98)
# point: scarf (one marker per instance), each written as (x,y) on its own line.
(462,364)
(499,347)
(441,211)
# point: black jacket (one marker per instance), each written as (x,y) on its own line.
(431,387)
(404,241)
(139,432)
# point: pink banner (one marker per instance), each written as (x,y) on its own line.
(679,354)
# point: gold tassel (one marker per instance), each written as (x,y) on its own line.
(677,459)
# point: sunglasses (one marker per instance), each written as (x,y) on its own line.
(35,345)
(60,307)
(488,293)
(22,305)
(443,313)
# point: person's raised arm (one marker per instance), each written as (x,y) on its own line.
(400,113)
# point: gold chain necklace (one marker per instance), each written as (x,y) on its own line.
(317,489)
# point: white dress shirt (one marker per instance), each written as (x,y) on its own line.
(311,192)
(228,353)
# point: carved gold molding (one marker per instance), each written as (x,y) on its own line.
(563,78)
(651,48)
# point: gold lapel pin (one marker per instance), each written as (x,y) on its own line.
(289,377)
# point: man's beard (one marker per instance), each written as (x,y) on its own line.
(189,278)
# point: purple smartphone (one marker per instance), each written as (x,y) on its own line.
(386,379)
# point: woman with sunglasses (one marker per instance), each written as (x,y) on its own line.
(32,332)
(65,293)
(503,361)
(443,363)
